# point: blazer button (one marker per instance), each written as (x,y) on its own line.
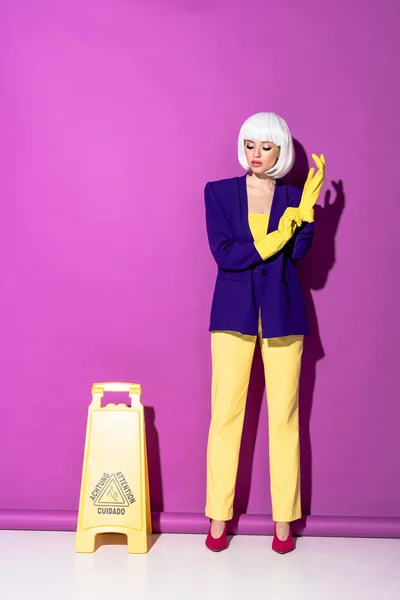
(264,272)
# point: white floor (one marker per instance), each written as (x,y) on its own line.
(43,565)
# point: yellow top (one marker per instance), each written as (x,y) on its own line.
(258,225)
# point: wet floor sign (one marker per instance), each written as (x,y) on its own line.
(115,490)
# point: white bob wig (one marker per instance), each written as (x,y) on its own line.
(268,127)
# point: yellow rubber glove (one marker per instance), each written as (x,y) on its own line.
(290,218)
(274,241)
(312,188)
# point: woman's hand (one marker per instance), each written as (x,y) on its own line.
(312,188)
(290,219)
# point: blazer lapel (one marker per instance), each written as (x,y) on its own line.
(244,208)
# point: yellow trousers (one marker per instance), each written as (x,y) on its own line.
(232,357)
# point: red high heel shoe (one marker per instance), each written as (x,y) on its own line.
(283,547)
(217,544)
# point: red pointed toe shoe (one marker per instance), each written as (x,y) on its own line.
(283,547)
(217,544)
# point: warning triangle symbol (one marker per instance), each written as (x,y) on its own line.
(112,495)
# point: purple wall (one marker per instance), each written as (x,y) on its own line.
(114,115)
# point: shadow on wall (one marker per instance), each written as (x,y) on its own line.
(154,461)
(314,270)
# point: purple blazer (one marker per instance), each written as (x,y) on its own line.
(243,278)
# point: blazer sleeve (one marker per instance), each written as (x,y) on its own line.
(229,254)
(301,242)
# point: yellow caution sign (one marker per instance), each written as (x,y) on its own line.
(115,485)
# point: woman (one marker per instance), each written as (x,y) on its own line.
(258,227)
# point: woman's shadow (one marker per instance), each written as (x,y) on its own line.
(314,270)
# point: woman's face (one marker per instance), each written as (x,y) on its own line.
(260,155)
